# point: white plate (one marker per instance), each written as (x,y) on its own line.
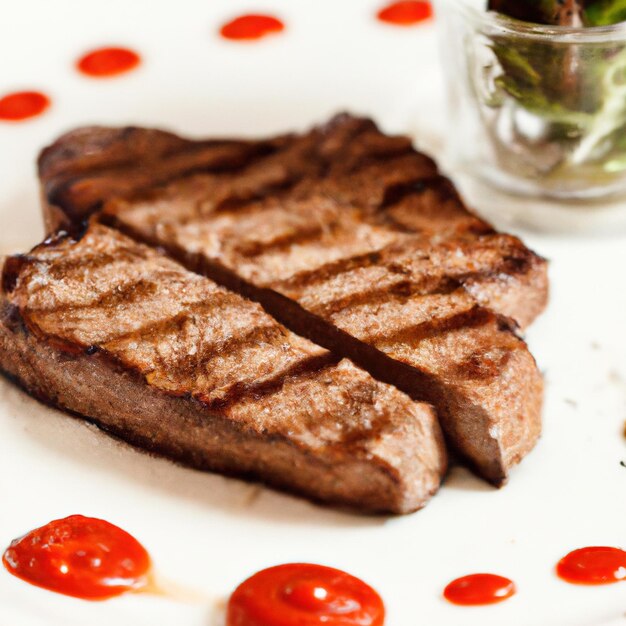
(209,532)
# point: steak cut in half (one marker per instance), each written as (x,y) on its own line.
(116,332)
(347,236)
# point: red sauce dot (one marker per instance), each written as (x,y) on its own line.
(306,595)
(79,556)
(22,105)
(251,27)
(479,589)
(406,12)
(594,565)
(107,62)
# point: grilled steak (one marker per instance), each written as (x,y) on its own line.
(350,238)
(348,160)
(114,331)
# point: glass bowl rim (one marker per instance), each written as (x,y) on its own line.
(509,26)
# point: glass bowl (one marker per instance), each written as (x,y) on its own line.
(535,110)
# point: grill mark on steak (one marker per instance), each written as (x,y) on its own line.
(329,270)
(400,291)
(61,191)
(233,195)
(125,293)
(242,200)
(304,167)
(356,157)
(413,335)
(185,364)
(68,266)
(158,327)
(240,391)
(395,193)
(404,289)
(233,202)
(302,235)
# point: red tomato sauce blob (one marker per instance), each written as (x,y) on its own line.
(79,556)
(306,595)
(108,62)
(251,27)
(479,589)
(22,105)
(594,565)
(406,12)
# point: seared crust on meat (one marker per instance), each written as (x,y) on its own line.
(113,331)
(349,237)
(347,161)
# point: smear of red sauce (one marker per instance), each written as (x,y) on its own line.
(406,12)
(306,595)
(22,105)
(594,565)
(107,62)
(251,27)
(80,556)
(479,589)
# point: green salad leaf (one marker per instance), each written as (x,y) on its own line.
(605,12)
(579,90)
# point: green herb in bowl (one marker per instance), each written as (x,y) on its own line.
(569,90)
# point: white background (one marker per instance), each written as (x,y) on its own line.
(209,533)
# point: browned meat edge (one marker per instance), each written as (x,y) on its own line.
(92,385)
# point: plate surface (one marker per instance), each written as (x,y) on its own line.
(209,533)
